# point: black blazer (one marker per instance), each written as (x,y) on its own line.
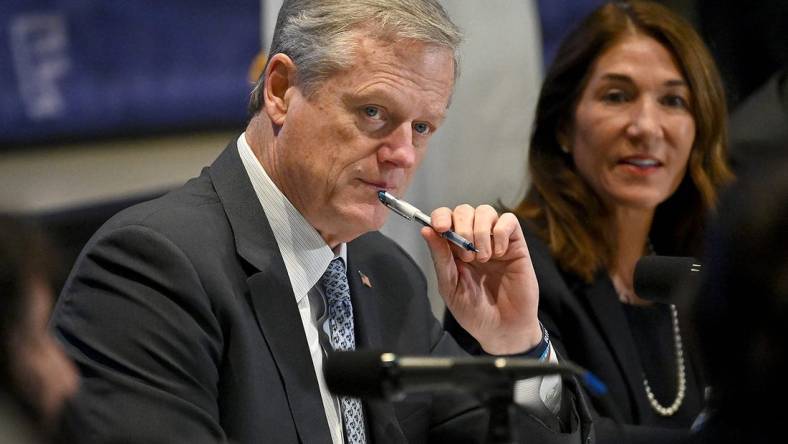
(588,326)
(181,318)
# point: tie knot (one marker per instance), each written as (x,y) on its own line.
(336,266)
(335,282)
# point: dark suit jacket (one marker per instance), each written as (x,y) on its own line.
(181,317)
(588,326)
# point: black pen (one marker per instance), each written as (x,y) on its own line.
(410,212)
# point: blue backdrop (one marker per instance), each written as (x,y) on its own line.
(92,68)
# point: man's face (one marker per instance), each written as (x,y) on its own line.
(364,129)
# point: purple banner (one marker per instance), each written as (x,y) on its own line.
(81,69)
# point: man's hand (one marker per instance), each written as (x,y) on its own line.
(493,294)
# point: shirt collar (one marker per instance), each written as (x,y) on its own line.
(304,252)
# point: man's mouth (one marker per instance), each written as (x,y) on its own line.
(380,185)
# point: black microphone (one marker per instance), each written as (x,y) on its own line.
(372,374)
(659,278)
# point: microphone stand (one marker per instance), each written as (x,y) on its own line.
(499,400)
(490,380)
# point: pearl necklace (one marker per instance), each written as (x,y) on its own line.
(682,378)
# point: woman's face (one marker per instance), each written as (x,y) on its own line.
(633,129)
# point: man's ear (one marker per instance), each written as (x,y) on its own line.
(279,78)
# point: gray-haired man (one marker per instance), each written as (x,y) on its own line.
(204,315)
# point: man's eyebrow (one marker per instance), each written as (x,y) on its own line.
(439,115)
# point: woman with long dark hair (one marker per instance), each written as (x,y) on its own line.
(627,156)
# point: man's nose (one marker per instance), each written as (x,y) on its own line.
(398,147)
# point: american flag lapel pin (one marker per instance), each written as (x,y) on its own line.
(365,279)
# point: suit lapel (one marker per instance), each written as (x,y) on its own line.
(271,295)
(615,329)
(274,305)
(383,423)
(366,316)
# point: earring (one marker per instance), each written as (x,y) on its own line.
(564,148)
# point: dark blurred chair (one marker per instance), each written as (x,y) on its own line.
(741,312)
(70,228)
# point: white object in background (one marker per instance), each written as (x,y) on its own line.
(479,154)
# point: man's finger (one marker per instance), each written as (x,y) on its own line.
(484,220)
(506,227)
(442,259)
(462,221)
(441,219)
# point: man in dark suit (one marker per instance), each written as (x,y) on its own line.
(204,315)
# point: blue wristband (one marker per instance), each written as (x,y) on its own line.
(546,341)
(540,351)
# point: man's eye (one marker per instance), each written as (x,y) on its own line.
(373,112)
(422,128)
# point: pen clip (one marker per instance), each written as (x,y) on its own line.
(397,210)
(387,200)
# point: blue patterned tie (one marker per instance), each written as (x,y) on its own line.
(340,312)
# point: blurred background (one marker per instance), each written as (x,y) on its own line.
(105,104)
